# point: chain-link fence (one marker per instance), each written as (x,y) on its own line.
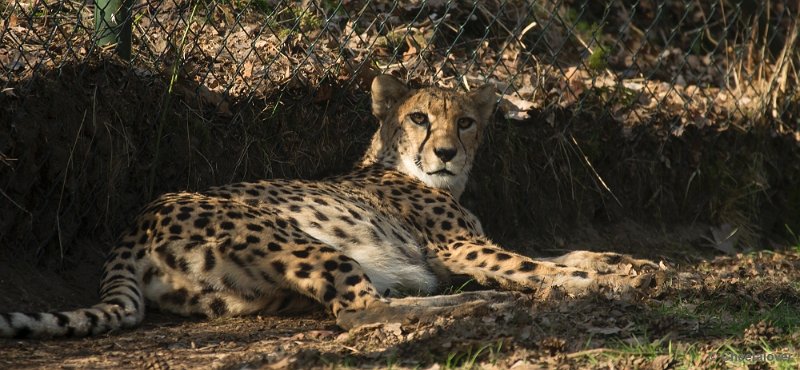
(84,140)
(716,62)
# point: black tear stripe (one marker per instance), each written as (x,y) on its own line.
(463,147)
(425,140)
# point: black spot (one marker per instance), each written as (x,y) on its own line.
(175,229)
(183,216)
(300,254)
(279,267)
(210,260)
(354,214)
(274,247)
(320,216)
(472,255)
(183,265)
(331,265)
(93,319)
(353,280)
(63,320)
(527,266)
(252,192)
(438,210)
(494,268)
(446,225)
(349,296)
(613,259)
(165,221)
(281,223)
(234,215)
(166,210)
(240,246)
(345,267)
(252,239)
(488,251)
(339,233)
(172,262)
(201,222)
(226,225)
(218,307)
(301,274)
(580,274)
(503,256)
(254,227)
(330,293)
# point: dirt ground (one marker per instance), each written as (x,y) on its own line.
(710,307)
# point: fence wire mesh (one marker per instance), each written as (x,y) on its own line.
(687,62)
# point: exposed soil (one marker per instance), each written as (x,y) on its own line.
(710,302)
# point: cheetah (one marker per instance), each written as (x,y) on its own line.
(369,246)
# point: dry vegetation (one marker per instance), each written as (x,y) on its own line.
(681,115)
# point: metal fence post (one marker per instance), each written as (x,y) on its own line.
(112,25)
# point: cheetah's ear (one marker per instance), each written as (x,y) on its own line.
(386,91)
(484,99)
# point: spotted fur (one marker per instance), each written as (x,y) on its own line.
(351,244)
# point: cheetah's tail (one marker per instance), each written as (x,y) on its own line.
(121,306)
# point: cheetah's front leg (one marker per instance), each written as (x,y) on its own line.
(487,262)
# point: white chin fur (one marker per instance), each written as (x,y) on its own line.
(455,184)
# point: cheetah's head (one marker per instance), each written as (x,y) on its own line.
(431,134)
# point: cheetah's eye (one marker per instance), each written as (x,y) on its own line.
(465,123)
(419,118)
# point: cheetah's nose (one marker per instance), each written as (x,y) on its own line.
(445,154)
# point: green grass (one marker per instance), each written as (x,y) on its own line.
(721,331)
(685,355)
(469,359)
(721,318)
(456,289)
(794,241)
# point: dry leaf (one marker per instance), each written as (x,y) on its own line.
(248,69)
